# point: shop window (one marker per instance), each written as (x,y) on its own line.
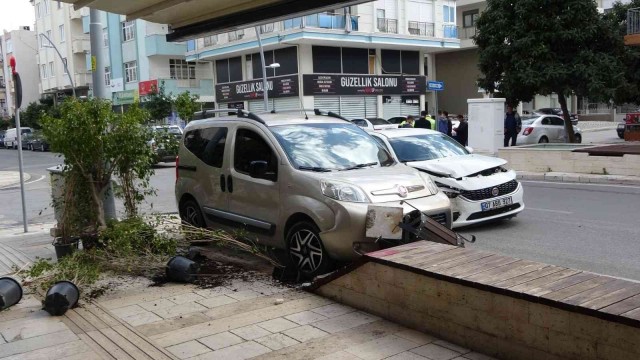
(355,61)
(288,60)
(391,62)
(396,62)
(229,70)
(410,62)
(326,60)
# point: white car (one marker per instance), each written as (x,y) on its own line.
(542,129)
(480,187)
(374,124)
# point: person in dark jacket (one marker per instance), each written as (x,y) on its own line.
(422,122)
(510,127)
(462,131)
(449,124)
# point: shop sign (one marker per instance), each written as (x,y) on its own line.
(125,97)
(147,87)
(320,84)
(117,84)
(278,87)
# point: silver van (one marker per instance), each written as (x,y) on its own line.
(10,138)
(294,181)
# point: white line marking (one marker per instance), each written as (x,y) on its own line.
(549,210)
(34,181)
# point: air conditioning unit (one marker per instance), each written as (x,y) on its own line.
(25,28)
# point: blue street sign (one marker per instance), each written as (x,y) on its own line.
(435,85)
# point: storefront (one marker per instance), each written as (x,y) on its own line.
(283,94)
(358,96)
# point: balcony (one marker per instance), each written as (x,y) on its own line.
(388,25)
(158,45)
(633,28)
(467,33)
(236,35)
(81,79)
(449,31)
(421,28)
(267,28)
(202,87)
(80,44)
(321,21)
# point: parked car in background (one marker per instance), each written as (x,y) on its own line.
(480,187)
(557,112)
(2,138)
(374,123)
(37,142)
(620,129)
(10,138)
(165,142)
(298,183)
(541,129)
(397,120)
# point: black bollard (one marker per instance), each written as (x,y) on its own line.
(10,292)
(61,297)
(181,269)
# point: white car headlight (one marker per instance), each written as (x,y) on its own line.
(431,186)
(343,191)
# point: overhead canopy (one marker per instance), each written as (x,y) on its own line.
(190,19)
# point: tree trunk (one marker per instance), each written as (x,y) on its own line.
(568,126)
(98,194)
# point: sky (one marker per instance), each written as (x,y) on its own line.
(16,13)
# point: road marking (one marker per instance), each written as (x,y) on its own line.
(17,186)
(549,210)
(34,181)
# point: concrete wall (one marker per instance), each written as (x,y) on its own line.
(546,160)
(497,325)
(459,71)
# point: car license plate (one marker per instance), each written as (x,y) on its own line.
(497,203)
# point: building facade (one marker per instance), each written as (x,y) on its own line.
(20,44)
(59,27)
(369,60)
(138,58)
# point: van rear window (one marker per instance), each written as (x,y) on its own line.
(207,144)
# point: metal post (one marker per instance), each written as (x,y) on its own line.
(20,166)
(265,89)
(64,63)
(100,91)
(7,73)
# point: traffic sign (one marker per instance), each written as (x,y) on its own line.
(435,85)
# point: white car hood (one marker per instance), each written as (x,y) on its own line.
(458,166)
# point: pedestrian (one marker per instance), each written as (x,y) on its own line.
(408,123)
(432,121)
(443,126)
(449,124)
(462,131)
(511,127)
(422,122)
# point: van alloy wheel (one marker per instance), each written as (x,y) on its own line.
(306,250)
(190,214)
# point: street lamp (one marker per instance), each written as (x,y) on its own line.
(64,63)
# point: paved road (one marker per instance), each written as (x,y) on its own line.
(601,136)
(590,227)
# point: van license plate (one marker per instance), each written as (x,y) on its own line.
(498,203)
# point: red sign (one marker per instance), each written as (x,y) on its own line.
(147,87)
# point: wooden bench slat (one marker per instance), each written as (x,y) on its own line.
(596,292)
(469,256)
(561,284)
(488,265)
(623,306)
(537,274)
(440,258)
(577,288)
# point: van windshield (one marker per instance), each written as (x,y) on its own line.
(329,147)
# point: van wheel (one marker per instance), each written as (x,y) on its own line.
(190,214)
(306,250)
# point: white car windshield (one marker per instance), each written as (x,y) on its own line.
(426,147)
(329,147)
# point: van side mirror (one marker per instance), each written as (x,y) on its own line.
(258,169)
(469,149)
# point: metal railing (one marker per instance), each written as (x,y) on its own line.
(465,33)
(421,28)
(236,35)
(267,28)
(388,25)
(323,21)
(633,21)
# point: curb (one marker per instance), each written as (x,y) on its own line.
(11,178)
(580,178)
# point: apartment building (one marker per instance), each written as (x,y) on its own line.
(459,68)
(59,29)
(138,58)
(20,44)
(368,60)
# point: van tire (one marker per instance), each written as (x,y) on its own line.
(191,214)
(307,251)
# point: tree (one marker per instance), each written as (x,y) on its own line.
(530,47)
(158,104)
(186,105)
(629,92)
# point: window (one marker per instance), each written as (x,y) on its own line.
(52,71)
(355,61)
(38,10)
(107,75)
(61,31)
(181,69)
(326,60)
(59,4)
(557,121)
(210,40)
(43,71)
(251,147)
(400,62)
(334,60)
(229,70)
(449,13)
(207,145)
(469,18)
(131,71)
(64,66)
(128,30)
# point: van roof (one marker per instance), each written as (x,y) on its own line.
(273,119)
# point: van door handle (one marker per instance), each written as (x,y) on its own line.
(223,185)
(230,183)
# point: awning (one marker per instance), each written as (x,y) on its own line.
(190,19)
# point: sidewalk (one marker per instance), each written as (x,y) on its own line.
(247,316)
(579,178)
(9,178)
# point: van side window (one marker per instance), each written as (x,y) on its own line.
(252,147)
(207,144)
